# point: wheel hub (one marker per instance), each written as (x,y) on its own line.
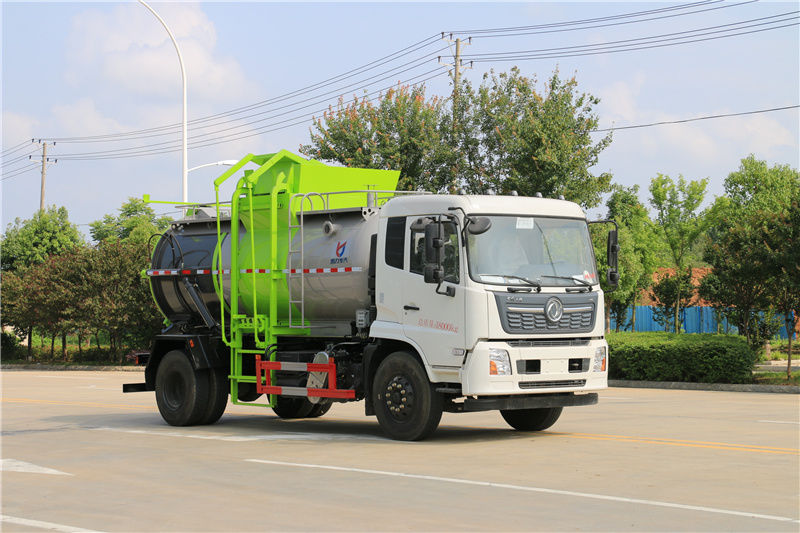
(399,397)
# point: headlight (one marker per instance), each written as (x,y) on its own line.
(600,359)
(499,363)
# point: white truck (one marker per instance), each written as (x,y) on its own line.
(320,284)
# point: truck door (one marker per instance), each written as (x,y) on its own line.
(435,321)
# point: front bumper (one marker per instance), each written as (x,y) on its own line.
(537,367)
(507,403)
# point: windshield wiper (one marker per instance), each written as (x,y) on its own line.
(530,282)
(579,280)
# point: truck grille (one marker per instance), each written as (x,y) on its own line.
(536,321)
(528,313)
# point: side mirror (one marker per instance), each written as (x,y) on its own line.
(479,225)
(612,251)
(434,274)
(434,243)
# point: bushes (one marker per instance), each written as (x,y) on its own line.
(701,358)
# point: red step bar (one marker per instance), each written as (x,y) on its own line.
(263,372)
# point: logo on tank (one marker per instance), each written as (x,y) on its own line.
(339,254)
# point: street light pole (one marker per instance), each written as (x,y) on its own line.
(183,76)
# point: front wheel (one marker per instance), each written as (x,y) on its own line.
(182,393)
(532,419)
(406,403)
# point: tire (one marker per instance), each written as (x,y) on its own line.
(406,403)
(247,392)
(289,407)
(181,391)
(218,389)
(532,419)
(319,409)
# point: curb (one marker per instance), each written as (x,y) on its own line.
(73,367)
(726,387)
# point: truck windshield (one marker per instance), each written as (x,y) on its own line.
(533,251)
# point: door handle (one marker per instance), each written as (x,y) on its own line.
(411,308)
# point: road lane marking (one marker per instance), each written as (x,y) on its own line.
(558,492)
(44,525)
(82,404)
(777,422)
(247,438)
(13,465)
(71,377)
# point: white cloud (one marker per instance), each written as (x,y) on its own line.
(127,50)
(619,101)
(82,119)
(18,128)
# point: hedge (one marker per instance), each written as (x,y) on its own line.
(699,358)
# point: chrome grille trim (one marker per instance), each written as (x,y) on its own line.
(547,343)
(552,384)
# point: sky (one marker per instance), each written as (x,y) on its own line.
(100,84)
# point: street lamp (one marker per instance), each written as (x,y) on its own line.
(183,76)
(227,162)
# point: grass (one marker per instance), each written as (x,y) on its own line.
(776,378)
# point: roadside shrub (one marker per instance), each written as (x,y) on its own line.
(699,358)
(10,346)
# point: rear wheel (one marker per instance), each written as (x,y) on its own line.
(217,395)
(532,419)
(319,409)
(182,393)
(406,403)
(288,407)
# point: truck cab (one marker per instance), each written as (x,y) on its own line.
(512,316)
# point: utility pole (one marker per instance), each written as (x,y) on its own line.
(457,66)
(45,161)
(44,174)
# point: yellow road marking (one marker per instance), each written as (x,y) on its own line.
(685,443)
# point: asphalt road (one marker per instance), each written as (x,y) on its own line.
(78,455)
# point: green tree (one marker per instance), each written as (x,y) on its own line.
(136,222)
(400,133)
(781,236)
(19,311)
(672,291)
(506,136)
(536,141)
(737,285)
(30,242)
(753,248)
(676,206)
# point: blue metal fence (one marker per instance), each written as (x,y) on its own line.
(694,320)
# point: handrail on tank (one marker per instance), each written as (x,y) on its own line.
(310,196)
(234,228)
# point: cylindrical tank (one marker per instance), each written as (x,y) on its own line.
(333,248)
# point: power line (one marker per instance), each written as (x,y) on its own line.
(16,148)
(708,117)
(19,171)
(164,147)
(287,96)
(656,41)
(561,27)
